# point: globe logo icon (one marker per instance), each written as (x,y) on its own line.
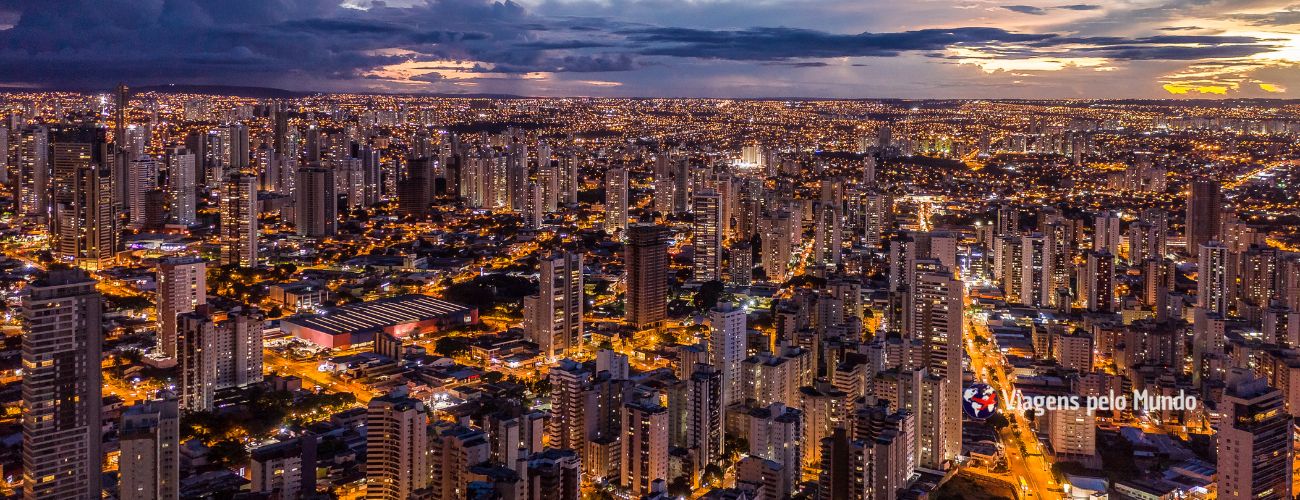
(979,401)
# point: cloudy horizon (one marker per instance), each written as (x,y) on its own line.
(665,48)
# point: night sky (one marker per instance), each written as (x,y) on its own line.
(673,48)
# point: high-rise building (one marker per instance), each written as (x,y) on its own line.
(740,267)
(371,174)
(934,318)
(453,449)
(182,186)
(553,317)
(397,447)
(1205,206)
(349,181)
(823,408)
(646,261)
(776,378)
(704,416)
(315,204)
(1036,271)
(239,232)
(239,348)
(33,184)
(828,235)
(4,154)
(567,427)
(706,235)
(905,250)
(663,196)
(774,433)
(1009,266)
(217,350)
(182,285)
(121,144)
(535,206)
(85,231)
(232,151)
(727,350)
(196,359)
(644,436)
(1259,276)
(616,203)
(780,237)
(938,420)
(142,177)
(888,448)
(1101,281)
(149,464)
(1073,351)
(1212,283)
(1073,432)
(286,468)
(1106,234)
(841,466)
(61,387)
(416,191)
(878,214)
(554,474)
(1147,238)
(1255,457)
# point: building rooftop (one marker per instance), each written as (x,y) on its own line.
(377,314)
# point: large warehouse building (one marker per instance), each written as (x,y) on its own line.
(400,316)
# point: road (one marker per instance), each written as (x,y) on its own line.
(1030,469)
(312,377)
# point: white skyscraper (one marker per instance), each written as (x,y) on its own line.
(196,359)
(182,285)
(150,459)
(397,447)
(142,178)
(1212,292)
(1106,235)
(727,349)
(181,179)
(616,202)
(239,348)
(1073,432)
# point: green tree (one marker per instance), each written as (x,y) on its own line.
(709,295)
(451,346)
(998,421)
(680,486)
(228,453)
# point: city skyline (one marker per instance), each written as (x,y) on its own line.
(413,297)
(666,48)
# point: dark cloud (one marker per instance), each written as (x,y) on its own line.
(1040,11)
(93,43)
(305,43)
(774,44)
(797,64)
(778,44)
(1026,9)
(563,44)
(1286,17)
